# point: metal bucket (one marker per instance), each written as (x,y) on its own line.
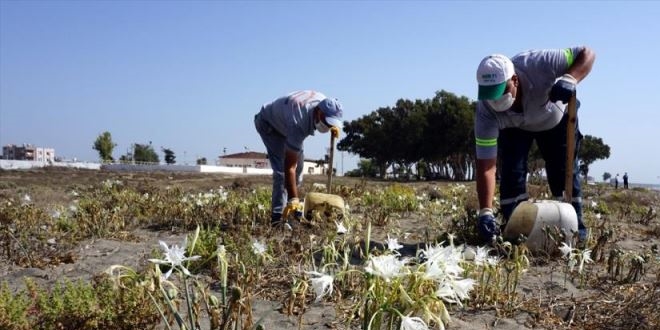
(529,219)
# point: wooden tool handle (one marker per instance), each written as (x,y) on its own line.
(330,162)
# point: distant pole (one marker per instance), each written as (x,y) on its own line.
(342,163)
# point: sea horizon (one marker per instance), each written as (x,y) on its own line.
(653,186)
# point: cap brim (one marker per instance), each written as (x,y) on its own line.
(491,92)
(333,121)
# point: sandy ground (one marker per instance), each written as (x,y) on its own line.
(543,282)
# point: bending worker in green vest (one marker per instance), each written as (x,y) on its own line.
(523,99)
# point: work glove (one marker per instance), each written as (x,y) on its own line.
(334,131)
(486,225)
(563,89)
(293,208)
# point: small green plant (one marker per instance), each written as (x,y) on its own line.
(392,201)
(78,306)
(13,309)
(575,257)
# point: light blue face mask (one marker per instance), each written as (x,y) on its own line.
(321,127)
(503,103)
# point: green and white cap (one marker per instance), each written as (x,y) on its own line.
(493,73)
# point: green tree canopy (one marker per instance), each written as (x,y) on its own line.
(170,158)
(592,149)
(145,153)
(365,169)
(438,131)
(104,146)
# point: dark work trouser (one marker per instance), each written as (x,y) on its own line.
(514,145)
(275,147)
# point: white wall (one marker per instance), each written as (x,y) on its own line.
(28,164)
(187,168)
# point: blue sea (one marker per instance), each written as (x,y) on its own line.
(643,185)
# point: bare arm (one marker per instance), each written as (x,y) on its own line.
(486,182)
(290,165)
(582,65)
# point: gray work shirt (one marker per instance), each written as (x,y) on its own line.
(537,72)
(292,116)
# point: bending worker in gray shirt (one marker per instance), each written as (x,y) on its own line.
(283,126)
(520,100)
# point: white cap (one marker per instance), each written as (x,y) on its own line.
(493,73)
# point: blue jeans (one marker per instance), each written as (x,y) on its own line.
(514,145)
(275,147)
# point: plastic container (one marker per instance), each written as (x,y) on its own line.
(529,219)
(322,202)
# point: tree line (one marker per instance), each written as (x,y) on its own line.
(433,139)
(139,152)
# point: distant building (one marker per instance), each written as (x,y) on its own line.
(260,160)
(28,152)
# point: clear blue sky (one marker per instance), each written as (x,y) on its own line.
(190,75)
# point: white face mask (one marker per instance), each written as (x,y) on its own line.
(504,103)
(321,127)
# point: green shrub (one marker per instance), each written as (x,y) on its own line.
(86,306)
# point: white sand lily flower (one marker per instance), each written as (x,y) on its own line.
(481,256)
(413,323)
(447,254)
(322,284)
(341,229)
(454,291)
(584,258)
(442,261)
(393,244)
(572,261)
(446,293)
(258,248)
(174,257)
(439,271)
(493,261)
(434,272)
(451,237)
(565,250)
(27,198)
(386,266)
(463,288)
